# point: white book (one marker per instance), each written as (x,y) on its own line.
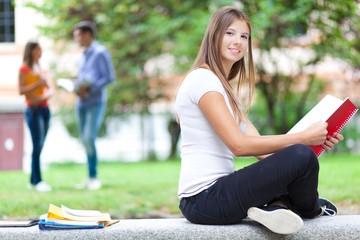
(66,83)
(70,86)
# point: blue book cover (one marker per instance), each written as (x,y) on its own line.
(47,225)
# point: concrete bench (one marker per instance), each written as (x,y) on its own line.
(339,227)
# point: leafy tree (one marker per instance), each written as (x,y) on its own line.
(326,27)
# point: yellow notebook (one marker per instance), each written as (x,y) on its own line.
(32,78)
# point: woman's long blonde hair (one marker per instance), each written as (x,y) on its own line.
(209,56)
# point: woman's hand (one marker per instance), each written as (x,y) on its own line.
(83,92)
(316,133)
(330,142)
(42,82)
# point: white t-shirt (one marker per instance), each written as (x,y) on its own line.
(204,156)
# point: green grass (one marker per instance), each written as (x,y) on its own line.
(128,189)
(340,177)
(146,188)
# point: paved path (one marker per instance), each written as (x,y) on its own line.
(339,227)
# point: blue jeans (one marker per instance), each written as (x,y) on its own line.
(37,119)
(290,174)
(89,121)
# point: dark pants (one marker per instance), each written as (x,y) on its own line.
(37,119)
(290,174)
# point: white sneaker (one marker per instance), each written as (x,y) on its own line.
(42,187)
(91,184)
(94,184)
(277,219)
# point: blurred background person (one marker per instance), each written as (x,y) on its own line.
(37,89)
(96,70)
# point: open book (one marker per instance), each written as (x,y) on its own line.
(334,111)
(70,86)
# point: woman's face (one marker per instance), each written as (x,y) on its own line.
(36,53)
(235,42)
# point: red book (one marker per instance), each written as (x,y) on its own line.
(334,111)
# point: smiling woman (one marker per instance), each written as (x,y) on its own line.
(215,129)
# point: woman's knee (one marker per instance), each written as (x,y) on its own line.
(89,144)
(306,155)
(37,147)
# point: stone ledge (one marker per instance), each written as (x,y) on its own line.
(339,227)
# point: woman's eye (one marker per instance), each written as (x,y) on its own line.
(230,33)
(244,37)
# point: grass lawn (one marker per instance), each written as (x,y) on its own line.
(147,189)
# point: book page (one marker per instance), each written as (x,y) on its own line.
(80,213)
(321,112)
(66,83)
(101,217)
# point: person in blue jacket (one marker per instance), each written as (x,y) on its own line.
(96,70)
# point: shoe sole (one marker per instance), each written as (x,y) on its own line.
(280,221)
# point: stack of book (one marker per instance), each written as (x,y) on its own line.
(66,218)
